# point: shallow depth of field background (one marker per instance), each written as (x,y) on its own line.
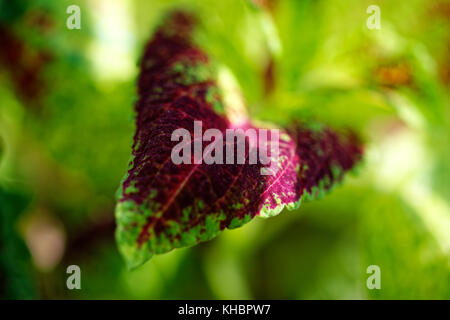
(66,127)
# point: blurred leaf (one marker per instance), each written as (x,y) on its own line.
(16,280)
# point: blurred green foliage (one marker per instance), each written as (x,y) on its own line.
(67,145)
(16,278)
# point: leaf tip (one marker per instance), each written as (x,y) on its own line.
(126,235)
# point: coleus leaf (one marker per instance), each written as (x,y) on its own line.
(163,205)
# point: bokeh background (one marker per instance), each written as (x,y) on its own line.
(66,127)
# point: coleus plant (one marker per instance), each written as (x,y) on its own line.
(162,205)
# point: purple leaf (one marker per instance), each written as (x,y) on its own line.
(163,205)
